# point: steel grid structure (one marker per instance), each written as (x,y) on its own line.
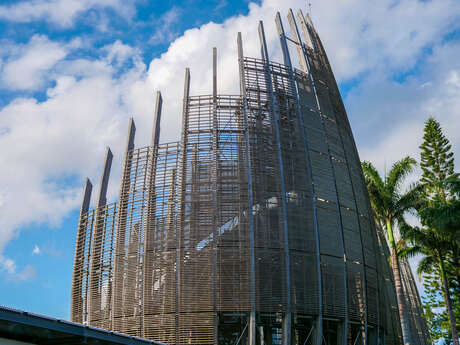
(255,228)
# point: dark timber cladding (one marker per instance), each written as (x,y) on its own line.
(255,228)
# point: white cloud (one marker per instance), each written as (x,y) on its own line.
(57,141)
(8,267)
(52,250)
(165,26)
(220,5)
(60,12)
(118,53)
(399,110)
(27,273)
(362,36)
(36,250)
(27,69)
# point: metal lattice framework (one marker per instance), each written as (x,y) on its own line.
(255,228)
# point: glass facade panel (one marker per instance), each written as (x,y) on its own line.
(331,332)
(356,334)
(302,330)
(270,329)
(233,328)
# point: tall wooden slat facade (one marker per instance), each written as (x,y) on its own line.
(254,228)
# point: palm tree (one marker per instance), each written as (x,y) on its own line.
(390,204)
(435,248)
(444,216)
(439,241)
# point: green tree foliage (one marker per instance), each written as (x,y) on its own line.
(437,160)
(442,217)
(434,309)
(436,248)
(438,240)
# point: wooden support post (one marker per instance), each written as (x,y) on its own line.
(95,274)
(287,319)
(120,245)
(76,307)
(252,315)
(288,63)
(157,119)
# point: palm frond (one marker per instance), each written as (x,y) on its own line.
(404,227)
(378,195)
(398,172)
(410,200)
(372,176)
(426,265)
(409,252)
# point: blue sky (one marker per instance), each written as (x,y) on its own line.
(73,72)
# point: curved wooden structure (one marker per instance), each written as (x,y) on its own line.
(255,228)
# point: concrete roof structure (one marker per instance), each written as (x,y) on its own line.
(20,327)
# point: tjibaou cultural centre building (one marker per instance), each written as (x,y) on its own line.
(254,228)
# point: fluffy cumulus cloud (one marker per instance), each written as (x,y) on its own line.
(49,145)
(26,67)
(60,12)
(389,36)
(399,110)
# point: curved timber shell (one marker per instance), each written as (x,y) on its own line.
(255,228)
